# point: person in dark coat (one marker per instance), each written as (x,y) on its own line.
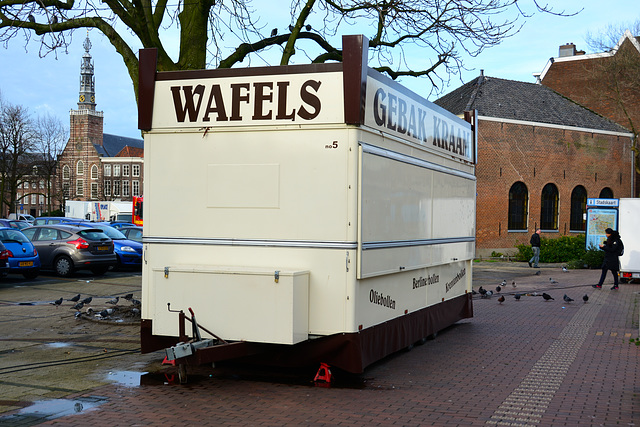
(612,248)
(535,246)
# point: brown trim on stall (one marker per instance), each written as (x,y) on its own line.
(354,58)
(248,72)
(146,86)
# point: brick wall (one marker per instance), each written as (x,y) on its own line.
(534,155)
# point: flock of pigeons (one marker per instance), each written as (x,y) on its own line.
(484,293)
(133,309)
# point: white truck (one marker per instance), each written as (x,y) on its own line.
(98,211)
(336,213)
(629,228)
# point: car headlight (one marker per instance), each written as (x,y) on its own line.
(127,249)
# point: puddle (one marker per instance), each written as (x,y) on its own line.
(45,410)
(59,344)
(126,378)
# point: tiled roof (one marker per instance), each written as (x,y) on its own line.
(509,99)
(131,152)
(113,144)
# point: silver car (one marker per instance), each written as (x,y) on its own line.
(66,248)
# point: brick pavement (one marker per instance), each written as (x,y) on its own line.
(526,362)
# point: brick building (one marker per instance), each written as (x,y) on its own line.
(586,80)
(540,156)
(95,165)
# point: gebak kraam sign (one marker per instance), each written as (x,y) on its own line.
(391,109)
(314,98)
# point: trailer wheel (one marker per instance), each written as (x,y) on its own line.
(182,373)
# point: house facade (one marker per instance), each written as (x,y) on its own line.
(95,166)
(540,156)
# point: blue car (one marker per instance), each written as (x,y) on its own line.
(23,256)
(129,252)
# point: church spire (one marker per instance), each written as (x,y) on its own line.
(87,98)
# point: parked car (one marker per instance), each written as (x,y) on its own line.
(132,233)
(22,217)
(65,248)
(129,252)
(23,255)
(4,260)
(120,224)
(13,223)
(42,220)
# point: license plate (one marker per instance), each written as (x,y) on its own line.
(636,275)
(103,248)
(26,264)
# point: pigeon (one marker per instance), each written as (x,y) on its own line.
(546,296)
(498,289)
(78,314)
(31,19)
(104,313)
(128,297)
(513,283)
(488,294)
(504,283)
(553,282)
(517,297)
(274,32)
(78,306)
(473,292)
(308,27)
(89,311)
(501,299)
(483,292)
(538,273)
(567,298)
(75,299)
(291,28)
(113,301)
(87,300)
(565,269)
(135,311)
(585,298)
(54,20)
(135,302)
(57,302)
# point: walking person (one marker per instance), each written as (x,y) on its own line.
(612,248)
(535,246)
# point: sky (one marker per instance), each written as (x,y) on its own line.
(50,85)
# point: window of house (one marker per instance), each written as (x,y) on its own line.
(116,187)
(66,172)
(107,187)
(80,168)
(135,188)
(578,209)
(94,190)
(125,170)
(34,199)
(94,172)
(606,193)
(116,170)
(549,208)
(41,185)
(125,188)
(80,187)
(135,170)
(107,170)
(65,190)
(518,206)
(41,199)
(26,185)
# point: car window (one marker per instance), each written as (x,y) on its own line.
(64,234)
(111,232)
(54,221)
(40,221)
(29,232)
(93,235)
(135,234)
(48,234)
(12,236)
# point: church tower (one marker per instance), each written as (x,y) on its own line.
(87,98)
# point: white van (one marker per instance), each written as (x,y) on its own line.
(22,217)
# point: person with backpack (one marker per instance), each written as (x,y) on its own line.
(612,248)
(535,247)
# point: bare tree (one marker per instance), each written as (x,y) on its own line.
(225,33)
(616,78)
(52,136)
(17,137)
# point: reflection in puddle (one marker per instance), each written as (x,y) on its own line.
(126,378)
(58,344)
(52,409)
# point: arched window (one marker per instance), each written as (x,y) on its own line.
(80,168)
(66,172)
(549,208)
(94,172)
(578,209)
(606,193)
(518,205)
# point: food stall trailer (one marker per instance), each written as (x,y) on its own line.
(331,213)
